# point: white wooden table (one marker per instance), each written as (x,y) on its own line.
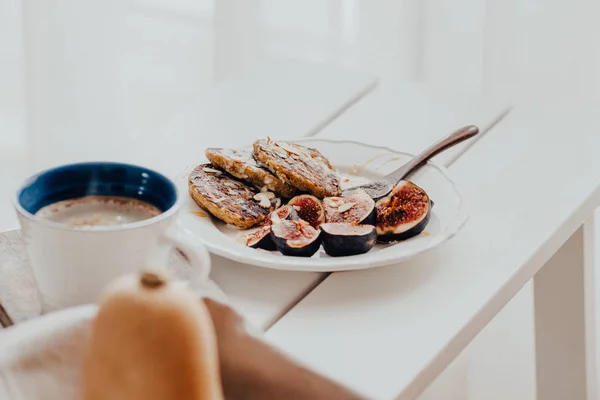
(533,182)
(403,323)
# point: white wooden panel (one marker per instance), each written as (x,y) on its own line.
(410,116)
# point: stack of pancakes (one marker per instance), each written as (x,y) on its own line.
(241,187)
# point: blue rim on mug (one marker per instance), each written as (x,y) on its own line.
(97,179)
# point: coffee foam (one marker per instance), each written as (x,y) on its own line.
(91,211)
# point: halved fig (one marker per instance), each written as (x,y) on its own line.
(309,208)
(261,239)
(402,214)
(283,212)
(356,208)
(344,239)
(295,238)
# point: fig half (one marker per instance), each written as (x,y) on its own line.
(343,239)
(283,212)
(402,214)
(309,208)
(261,239)
(356,208)
(295,237)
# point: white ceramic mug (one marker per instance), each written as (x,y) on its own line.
(72,265)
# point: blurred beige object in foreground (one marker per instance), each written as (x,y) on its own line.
(42,358)
(151,341)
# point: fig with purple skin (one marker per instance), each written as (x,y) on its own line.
(295,238)
(343,239)
(261,238)
(283,212)
(356,208)
(402,214)
(309,209)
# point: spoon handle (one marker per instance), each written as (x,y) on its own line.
(5,320)
(451,140)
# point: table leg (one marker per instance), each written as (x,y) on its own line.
(565,320)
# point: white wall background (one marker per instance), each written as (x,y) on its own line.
(170,50)
(12,118)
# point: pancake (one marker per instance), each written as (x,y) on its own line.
(242,165)
(228,199)
(302,167)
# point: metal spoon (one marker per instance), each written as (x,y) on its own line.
(384,186)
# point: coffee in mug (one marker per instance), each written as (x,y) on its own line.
(92,211)
(86,224)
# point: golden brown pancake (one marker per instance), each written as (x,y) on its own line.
(242,165)
(226,198)
(302,167)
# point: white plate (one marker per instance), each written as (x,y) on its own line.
(357,163)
